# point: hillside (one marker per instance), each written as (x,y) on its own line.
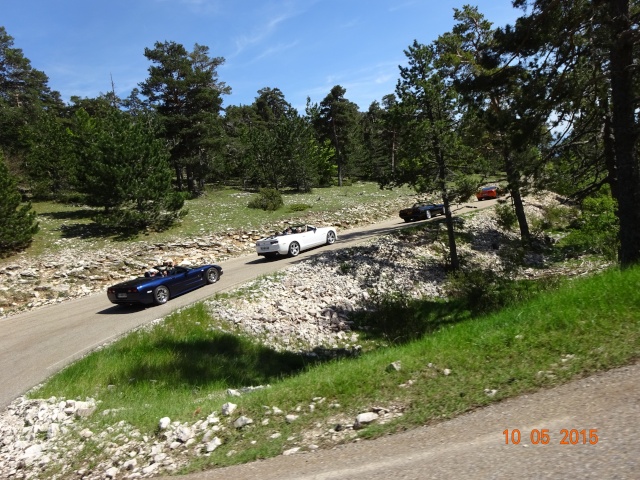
(70,261)
(296,311)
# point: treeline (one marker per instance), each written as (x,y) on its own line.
(549,102)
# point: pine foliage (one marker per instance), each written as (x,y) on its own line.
(124,169)
(18,222)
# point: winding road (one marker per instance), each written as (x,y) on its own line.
(36,344)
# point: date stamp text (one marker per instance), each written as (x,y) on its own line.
(542,436)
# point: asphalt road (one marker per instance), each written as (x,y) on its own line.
(34,345)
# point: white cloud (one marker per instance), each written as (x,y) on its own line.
(275,50)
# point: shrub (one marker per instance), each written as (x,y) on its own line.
(484,290)
(268,199)
(398,318)
(554,217)
(464,189)
(596,230)
(506,216)
(347,182)
(18,223)
(298,207)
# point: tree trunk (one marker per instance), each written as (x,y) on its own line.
(513,177)
(179,177)
(451,234)
(393,153)
(624,130)
(609,147)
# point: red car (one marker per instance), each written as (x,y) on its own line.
(487,193)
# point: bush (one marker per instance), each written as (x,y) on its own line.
(268,199)
(18,223)
(484,290)
(596,230)
(506,216)
(298,207)
(554,217)
(398,318)
(464,189)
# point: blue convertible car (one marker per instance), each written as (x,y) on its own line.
(159,285)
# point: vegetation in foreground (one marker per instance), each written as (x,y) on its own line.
(182,367)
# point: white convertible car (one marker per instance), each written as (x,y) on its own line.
(295,239)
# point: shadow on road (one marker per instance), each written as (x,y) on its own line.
(121,310)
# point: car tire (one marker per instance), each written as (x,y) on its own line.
(212,275)
(427,214)
(331,238)
(294,249)
(160,295)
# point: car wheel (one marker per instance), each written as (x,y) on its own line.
(294,249)
(427,214)
(161,295)
(331,238)
(212,275)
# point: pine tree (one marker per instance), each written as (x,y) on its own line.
(338,121)
(18,222)
(124,169)
(184,88)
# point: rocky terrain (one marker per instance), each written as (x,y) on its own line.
(302,308)
(77,269)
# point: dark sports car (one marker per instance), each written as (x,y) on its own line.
(421,211)
(160,284)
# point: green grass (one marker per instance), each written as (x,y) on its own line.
(182,367)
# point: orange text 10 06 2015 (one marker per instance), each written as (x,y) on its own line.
(542,436)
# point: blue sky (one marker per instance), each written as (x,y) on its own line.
(303,47)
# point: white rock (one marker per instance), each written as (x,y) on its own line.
(213,444)
(242,422)
(228,408)
(184,433)
(164,423)
(365,418)
(111,472)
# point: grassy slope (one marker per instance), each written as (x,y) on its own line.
(182,368)
(216,211)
